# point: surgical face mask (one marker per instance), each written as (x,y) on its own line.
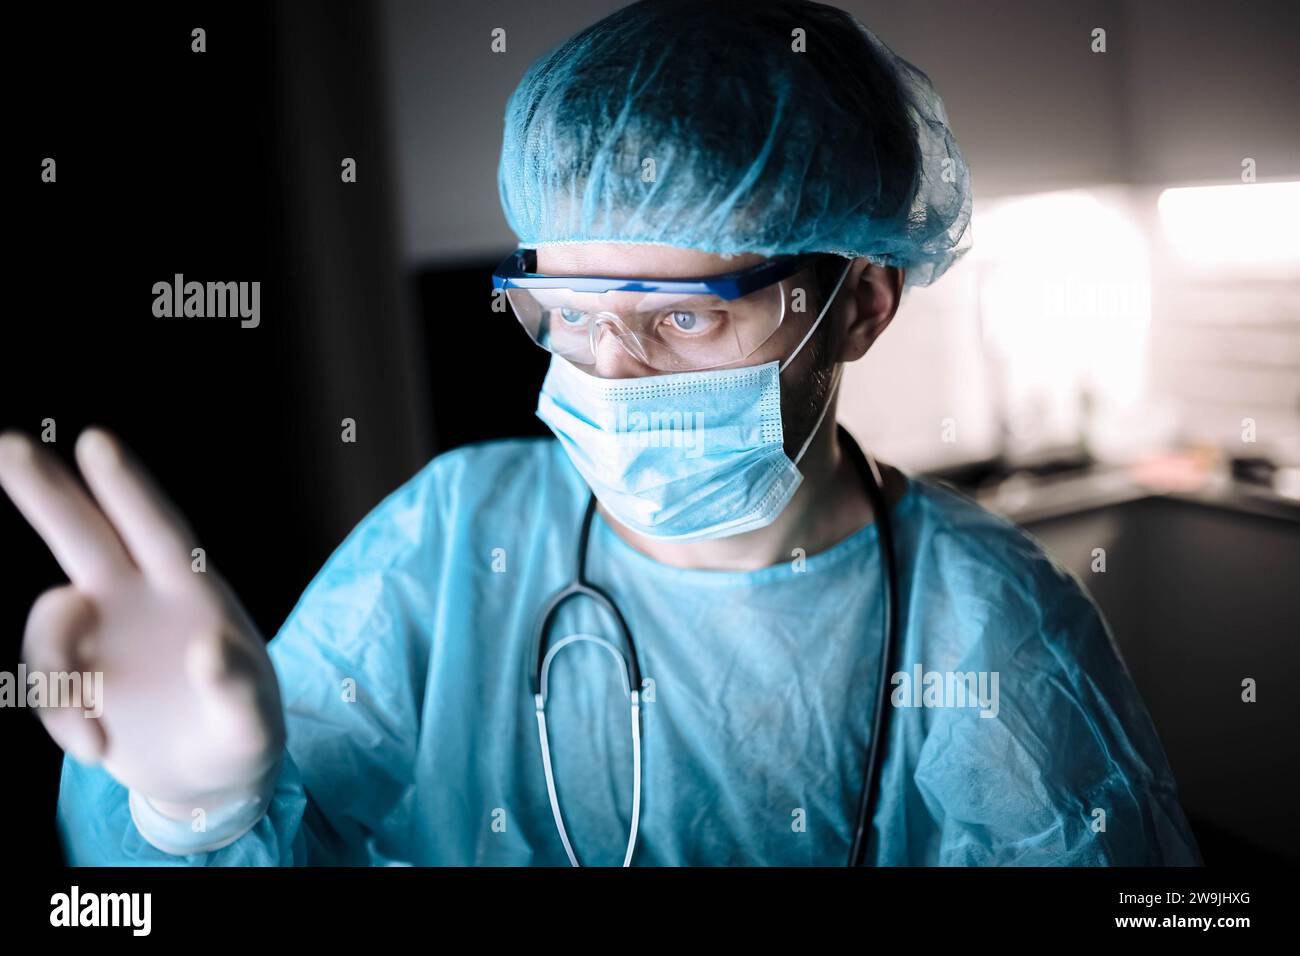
(682,457)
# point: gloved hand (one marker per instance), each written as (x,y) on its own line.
(191,708)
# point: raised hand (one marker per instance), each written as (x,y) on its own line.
(191,714)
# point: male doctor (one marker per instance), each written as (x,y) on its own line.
(718,206)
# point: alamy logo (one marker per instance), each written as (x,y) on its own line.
(103,909)
(923,688)
(656,429)
(71,689)
(209,300)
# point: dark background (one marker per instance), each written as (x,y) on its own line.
(224,166)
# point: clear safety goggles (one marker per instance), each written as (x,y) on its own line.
(670,325)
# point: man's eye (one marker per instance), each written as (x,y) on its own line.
(572,316)
(691,323)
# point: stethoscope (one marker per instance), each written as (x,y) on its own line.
(543,653)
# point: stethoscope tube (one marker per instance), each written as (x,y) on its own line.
(540,658)
(874,484)
(581,587)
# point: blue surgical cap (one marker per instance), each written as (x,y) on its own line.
(731,126)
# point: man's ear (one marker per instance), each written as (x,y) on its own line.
(871,297)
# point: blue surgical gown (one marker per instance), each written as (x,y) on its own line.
(412,736)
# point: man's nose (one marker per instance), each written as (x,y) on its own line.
(618,353)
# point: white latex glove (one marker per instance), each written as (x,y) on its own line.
(191,713)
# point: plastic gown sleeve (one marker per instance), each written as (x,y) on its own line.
(351,661)
(1067,769)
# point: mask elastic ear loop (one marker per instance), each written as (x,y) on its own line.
(821,315)
(830,398)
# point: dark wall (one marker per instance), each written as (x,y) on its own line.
(221,166)
(1200,598)
(485,371)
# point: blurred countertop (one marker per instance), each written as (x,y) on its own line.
(1026,498)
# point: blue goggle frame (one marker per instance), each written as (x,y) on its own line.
(516,271)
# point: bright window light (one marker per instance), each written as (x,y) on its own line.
(1065,302)
(1245,227)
